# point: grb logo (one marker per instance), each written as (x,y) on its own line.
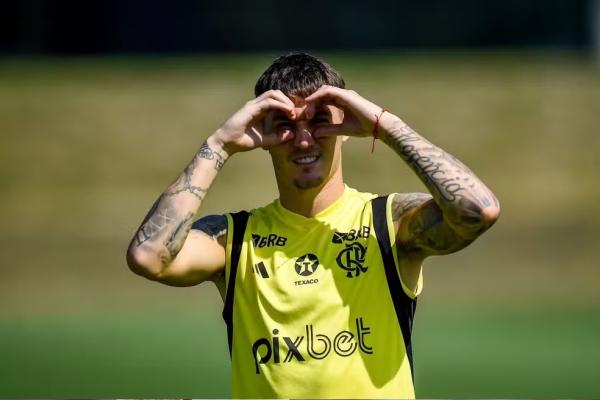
(352,258)
(318,346)
(306,265)
(268,241)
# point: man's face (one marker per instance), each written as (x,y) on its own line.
(305,161)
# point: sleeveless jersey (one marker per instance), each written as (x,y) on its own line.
(315,307)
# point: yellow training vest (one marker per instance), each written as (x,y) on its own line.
(312,309)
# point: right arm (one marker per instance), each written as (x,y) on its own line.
(166,247)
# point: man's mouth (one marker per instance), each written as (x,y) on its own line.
(308,159)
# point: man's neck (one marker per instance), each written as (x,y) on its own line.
(310,202)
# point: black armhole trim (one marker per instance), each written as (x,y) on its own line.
(240,220)
(403,304)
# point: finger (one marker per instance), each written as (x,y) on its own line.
(267,104)
(328,95)
(277,95)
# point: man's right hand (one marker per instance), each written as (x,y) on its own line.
(244,131)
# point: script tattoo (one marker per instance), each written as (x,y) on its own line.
(435,166)
(459,196)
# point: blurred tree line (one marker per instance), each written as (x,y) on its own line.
(142,26)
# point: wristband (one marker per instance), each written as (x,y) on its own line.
(376,127)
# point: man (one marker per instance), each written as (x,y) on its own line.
(319,286)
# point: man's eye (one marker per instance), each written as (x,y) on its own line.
(283,125)
(321,119)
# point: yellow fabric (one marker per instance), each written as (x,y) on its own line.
(312,312)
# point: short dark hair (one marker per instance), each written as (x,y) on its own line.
(298,74)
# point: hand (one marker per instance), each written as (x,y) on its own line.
(243,131)
(359,113)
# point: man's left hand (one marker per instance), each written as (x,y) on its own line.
(359,113)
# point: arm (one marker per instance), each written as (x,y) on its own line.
(163,248)
(167,247)
(459,207)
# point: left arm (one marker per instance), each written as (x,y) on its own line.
(460,206)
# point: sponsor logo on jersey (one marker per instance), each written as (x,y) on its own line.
(268,241)
(352,259)
(306,265)
(353,234)
(317,346)
(260,269)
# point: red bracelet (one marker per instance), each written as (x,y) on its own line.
(376,127)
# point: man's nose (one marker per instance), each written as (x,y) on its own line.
(303,137)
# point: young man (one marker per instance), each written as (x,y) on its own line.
(319,286)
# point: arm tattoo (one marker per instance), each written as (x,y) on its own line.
(429,233)
(168,222)
(207,153)
(402,203)
(458,194)
(184,181)
(214,226)
(157,220)
(176,239)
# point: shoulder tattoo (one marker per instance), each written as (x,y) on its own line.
(214,226)
(404,202)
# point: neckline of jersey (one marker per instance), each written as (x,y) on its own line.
(288,215)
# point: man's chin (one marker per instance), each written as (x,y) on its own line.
(308,183)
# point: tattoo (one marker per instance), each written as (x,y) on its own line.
(167,224)
(431,163)
(184,182)
(214,226)
(429,233)
(450,181)
(175,241)
(207,153)
(454,217)
(404,202)
(156,222)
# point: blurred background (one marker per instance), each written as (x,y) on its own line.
(102,104)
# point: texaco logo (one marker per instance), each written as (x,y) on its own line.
(307,264)
(352,258)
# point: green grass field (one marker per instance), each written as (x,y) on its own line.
(88,144)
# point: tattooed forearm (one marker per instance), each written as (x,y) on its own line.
(177,237)
(184,182)
(455,188)
(165,229)
(209,154)
(157,220)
